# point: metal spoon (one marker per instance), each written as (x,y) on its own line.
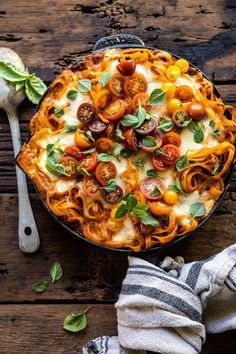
(9,101)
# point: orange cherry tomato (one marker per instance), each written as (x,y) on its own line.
(102,99)
(91,187)
(171,138)
(129,106)
(196,111)
(184,93)
(115,110)
(152,187)
(139,196)
(170,196)
(127,67)
(105,171)
(143,98)
(135,84)
(131,139)
(159,208)
(70,164)
(81,140)
(171,155)
(159,164)
(116,85)
(73,151)
(104,145)
(89,161)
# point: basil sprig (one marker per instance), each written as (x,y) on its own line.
(197,209)
(157,97)
(182,163)
(53,156)
(76,323)
(165,123)
(177,186)
(197,130)
(34,87)
(139,162)
(130,120)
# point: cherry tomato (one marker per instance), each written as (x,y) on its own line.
(172,154)
(169,89)
(173,104)
(147,127)
(180,118)
(127,67)
(143,99)
(184,93)
(135,84)
(105,171)
(129,106)
(102,99)
(115,110)
(89,161)
(173,72)
(150,149)
(183,65)
(115,196)
(73,151)
(91,187)
(171,138)
(116,85)
(85,112)
(70,164)
(159,208)
(139,196)
(97,126)
(131,139)
(104,145)
(152,188)
(158,163)
(196,111)
(81,140)
(170,196)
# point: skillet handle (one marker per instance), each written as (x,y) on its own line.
(119,41)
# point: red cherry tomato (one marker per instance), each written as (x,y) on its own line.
(184,93)
(85,112)
(97,126)
(129,106)
(143,99)
(113,197)
(152,187)
(196,111)
(127,67)
(116,85)
(131,139)
(158,163)
(91,187)
(105,171)
(135,84)
(147,128)
(115,110)
(171,155)
(89,161)
(70,164)
(73,151)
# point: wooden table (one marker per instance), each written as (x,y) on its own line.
(49,35)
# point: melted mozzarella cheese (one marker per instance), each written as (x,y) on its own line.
(121,166)
(63,185)
(126,233)
(183,206)
(167,177)
(187,142)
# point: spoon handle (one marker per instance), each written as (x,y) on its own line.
(27,230)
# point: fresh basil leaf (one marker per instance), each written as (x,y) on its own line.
(131,202)
(84,85)
(125,153)
(149,141)
(56,168)
(217,168)
(150,220)
(152,173)
(20,85)
(216,133)
(56,271)
(165,124)
(139,213)
(197,129)
(193,126)
(121,211)
(198,136)
(105,156)
(177,187)
(72,94)
(89,151)
(119,134)
(40,286)
(76,323)
(12,73)
(35,88)
(139,162)
(104,78)
(83,171)
(69,128)
(142,207)
(197,209)
(182,163)
(157,190)
(58,112)
(157,97)
(111,186)
(159,151)
(126,196)
(212,124)
(89,135)
(141,114)
(129,120)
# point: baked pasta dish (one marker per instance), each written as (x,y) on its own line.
(130,147)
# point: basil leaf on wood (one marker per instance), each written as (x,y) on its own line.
(197,209)
(84,85)
(56,271)
(76,323)
(157,97)
(40,286)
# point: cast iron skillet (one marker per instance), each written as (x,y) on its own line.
(128,41)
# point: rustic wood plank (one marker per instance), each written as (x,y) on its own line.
(90,274)
(20,332)
(207,41)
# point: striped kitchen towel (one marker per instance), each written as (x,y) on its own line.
(169,308)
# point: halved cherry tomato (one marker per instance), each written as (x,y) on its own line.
(91,187)
(127,67)
(102,99)
(128,103)
(143,98)
(173,72)
(81,140)
(105,171)
(159,208)
(171,155)
(196,111)
(70,165)
(73,151)
(152,187)
(97,126)
(131,139)
(169,88)
(115,110)
(171,138)
(115,196)
(180,118)
(150,149)
(104,145)
(85,112)
(173,105)
(158,163)
(170,196)
(183,65)
(135,84)
(184,93)
(89,161)
(139,196)
(147,127)
(116,85)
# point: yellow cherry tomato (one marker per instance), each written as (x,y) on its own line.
(170,88)
(173,72)
(170,196)
(174,104)
(159,208)
(183,65)
(81,140)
